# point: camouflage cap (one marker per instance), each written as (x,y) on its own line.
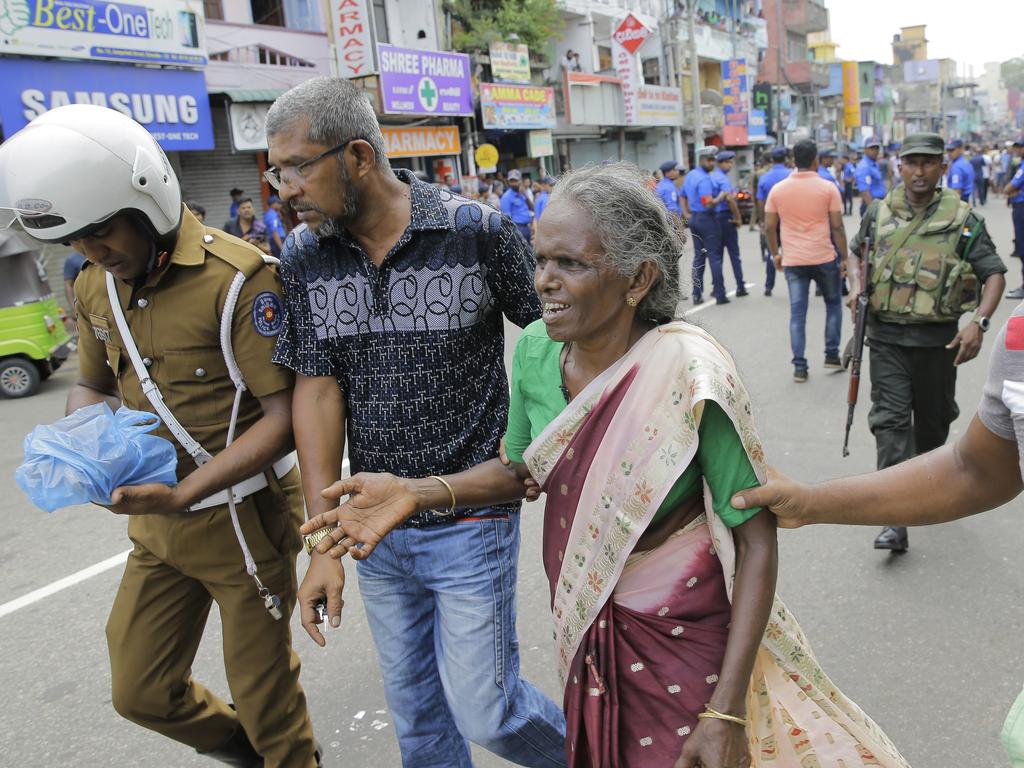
(923,144)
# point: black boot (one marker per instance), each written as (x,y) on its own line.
(237,751)
(893,538)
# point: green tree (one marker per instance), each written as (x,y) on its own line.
(478,23)
(1012,72)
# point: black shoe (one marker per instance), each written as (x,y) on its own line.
(893,538)
(723,300)
(833,361)
(767,291)
(800,375)
(697,299)
(742,292)
(236,751)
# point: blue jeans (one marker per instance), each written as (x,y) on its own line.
(441,604)
(798,280)
(707,247)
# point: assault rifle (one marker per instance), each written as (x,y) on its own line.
(854,353)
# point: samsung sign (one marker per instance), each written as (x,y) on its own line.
(170,104)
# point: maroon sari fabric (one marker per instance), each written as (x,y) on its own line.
(644,670)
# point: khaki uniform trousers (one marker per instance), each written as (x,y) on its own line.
(180,565)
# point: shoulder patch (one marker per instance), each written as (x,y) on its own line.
(266,314)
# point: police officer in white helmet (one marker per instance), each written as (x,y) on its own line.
(180,320)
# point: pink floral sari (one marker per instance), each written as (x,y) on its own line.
(640,637)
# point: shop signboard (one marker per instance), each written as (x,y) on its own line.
(486,158)
(172,104)
(510,63)
(248,123)
(521,107)
(351,34)
(658,105)
(626,41)
(418,82)
(540,143)
(735,102)
(421,141)
(154,32)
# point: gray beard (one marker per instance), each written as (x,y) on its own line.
(334,226)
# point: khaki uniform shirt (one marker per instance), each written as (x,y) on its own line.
(174,317)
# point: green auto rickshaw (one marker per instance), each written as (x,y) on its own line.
(33,340)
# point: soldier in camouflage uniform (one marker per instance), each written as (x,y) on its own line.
(931,261)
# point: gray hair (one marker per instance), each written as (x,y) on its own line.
(337,111)
(633,226)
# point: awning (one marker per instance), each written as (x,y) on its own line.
(241,95)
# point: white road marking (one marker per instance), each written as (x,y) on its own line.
(711,302)
(79,576)
(62,584)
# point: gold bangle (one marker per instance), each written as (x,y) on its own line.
(714,714)
(447,485)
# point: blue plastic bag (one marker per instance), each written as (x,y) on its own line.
(90,452)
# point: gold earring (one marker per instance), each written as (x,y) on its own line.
(631,301)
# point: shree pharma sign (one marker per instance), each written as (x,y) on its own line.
(146,32)
(417,82)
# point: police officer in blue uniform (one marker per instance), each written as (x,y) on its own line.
(1014,192)
(960,175)
(825,159)
(778,172)
(727,213)
(849,174)
(701,199)
(870,182)
(666,188)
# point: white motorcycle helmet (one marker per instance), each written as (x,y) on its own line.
(77,166)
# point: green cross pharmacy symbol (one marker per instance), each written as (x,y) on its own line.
(427,90)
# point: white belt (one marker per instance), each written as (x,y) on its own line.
(247,487)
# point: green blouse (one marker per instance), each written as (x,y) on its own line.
(536,400)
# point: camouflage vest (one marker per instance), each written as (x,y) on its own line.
(919,270)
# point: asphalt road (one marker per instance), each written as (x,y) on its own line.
(928,643)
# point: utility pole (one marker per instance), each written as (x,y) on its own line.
(673,80)
(782,43)
(698,124)
(733,16)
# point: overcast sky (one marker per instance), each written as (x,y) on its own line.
(975,32)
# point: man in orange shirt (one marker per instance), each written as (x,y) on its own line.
(811,212)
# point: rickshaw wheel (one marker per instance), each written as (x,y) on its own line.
(18,378)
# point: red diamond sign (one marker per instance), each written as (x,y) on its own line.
(631,33)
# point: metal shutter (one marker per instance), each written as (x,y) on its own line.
(206,177)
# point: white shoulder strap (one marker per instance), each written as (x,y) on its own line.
(149,387)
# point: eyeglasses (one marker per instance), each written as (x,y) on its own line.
(277,176)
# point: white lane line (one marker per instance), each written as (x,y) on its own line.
(78,577)
(62,584)
(711,302)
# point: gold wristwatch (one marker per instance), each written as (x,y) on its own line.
(310,540)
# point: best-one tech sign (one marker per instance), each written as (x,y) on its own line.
(171,104)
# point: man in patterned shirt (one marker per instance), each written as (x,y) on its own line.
(393,325)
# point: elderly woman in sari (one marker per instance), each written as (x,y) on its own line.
(639,430)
